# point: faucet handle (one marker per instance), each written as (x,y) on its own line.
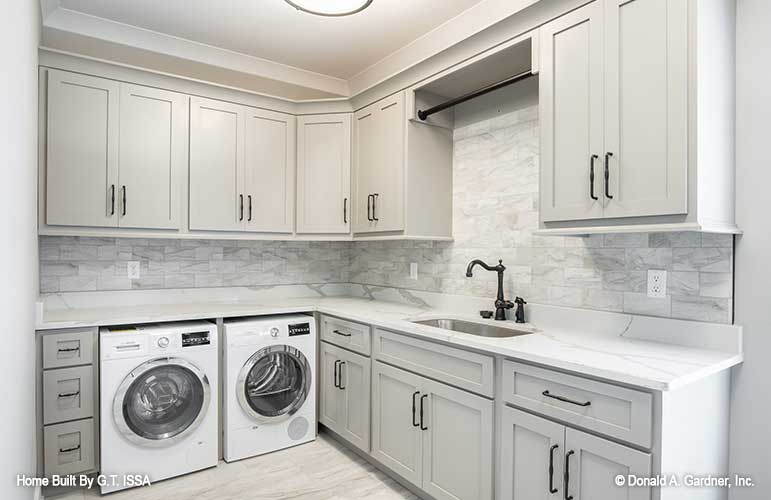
(520,300)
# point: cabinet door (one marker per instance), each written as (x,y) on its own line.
(331,404)
(82,150)
(593,464)
(388,178)
(366,162)
(216,165)
(324,174)
(531,461)
(646,107)
(457,444)
(153,155)
(355,384)
(396,435)
(571,104)
(269,163)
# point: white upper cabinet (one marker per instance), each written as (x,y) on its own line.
(269,171)
(636,118)
(153,157)
(241,168)
(116,153)
(82,150)
(324,174)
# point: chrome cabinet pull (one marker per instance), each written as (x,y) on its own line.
(422,399)
(567,475)
(414,424)
(69,450)
(591,177)
(566,400)
(607,175)
(374,206)
(68,394)
(341,333)
(552,489)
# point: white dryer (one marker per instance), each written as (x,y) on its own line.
(270,388)
(158,403)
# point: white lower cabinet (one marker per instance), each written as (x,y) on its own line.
(437,437)
(345,391)
(540,459)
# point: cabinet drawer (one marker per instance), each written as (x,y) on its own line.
(467,370)
(69,447)
(68,348)
(68,394)
(353,336)
(608,409)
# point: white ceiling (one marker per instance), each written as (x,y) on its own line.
(273,30)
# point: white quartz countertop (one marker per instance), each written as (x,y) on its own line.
(615,352)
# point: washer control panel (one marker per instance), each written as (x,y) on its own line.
(193,339)
(299,329)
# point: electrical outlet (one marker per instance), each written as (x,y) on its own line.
(657,284)
(413,270)
(132,269)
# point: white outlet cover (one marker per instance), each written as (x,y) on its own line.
(132,270)
(413,270)
(657,284)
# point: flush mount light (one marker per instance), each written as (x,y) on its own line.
(330,8)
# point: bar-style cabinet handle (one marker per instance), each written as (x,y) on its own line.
(566,400)
(591,177)
(337,365)
(369,207)
(607,175)
(68,394)
(414,424)
(422,399)
(374,206)
(112,199)
(343,334)
(552,489)
(340,377)
(567,475)
(345,210)
(240,207)
(250,208)
(124,201)
(68,450)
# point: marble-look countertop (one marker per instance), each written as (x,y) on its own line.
(617,353)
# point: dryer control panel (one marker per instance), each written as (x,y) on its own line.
(299,329)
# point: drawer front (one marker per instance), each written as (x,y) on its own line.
(68,394)
(467,370)
(68,348)
(625,414)
(69,447)
(353,336)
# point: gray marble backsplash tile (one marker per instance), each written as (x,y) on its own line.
(495,176)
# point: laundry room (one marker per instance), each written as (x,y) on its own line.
(348,249)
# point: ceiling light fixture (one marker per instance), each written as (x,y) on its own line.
(330,8)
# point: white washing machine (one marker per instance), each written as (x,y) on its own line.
(158,401)
(270,386)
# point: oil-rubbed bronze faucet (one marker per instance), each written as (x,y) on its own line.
(501,304)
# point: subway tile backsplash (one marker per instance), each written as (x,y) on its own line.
(495,179)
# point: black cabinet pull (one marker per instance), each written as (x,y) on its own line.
(422,398)
(250,208)
(124,201)
(607,175)
(68,394)
(68,450)
(552,489)
(341,333)
(565,400)
(68,349)
(567,475)
(340,383)
(374,207)
(337,364)
(369,207)
(414,424)
(345,210)
(591,177)
(241,207)
(112,199)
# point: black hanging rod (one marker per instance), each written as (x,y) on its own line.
(471,95)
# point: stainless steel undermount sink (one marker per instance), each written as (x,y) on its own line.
(472,328)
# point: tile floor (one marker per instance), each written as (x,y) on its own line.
(321,470)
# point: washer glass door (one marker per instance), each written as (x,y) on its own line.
(274,383)
(161,401)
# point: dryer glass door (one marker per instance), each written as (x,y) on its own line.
(161,401)
(274,383)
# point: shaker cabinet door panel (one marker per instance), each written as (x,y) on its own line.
(216,165)
(388,182)
(331,404)
(646,107)
(366,163)
(324,174)
(82,150)
(269,162)
(355,382)
(153,156)
(571,104)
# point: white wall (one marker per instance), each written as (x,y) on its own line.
(19,35)
(751,406)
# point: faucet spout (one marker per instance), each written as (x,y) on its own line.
(500,303)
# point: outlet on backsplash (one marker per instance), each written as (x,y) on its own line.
(132,270)
(414,270)
(657,284)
